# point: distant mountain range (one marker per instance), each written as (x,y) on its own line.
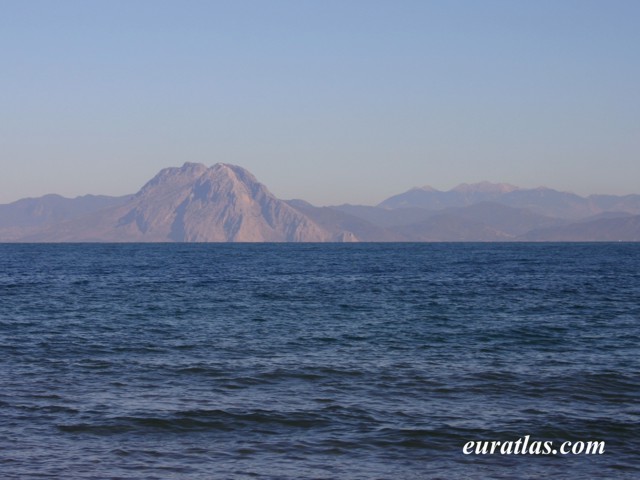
(225,203)
(544,201)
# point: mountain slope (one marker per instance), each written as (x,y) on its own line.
(36,212)
(384,217)
(509,220)
(345,227)
(28,215)
(450,228)
(461,196)
(621,229)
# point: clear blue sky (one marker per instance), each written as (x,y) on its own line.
(330,101)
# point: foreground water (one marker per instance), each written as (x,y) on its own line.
(317,361)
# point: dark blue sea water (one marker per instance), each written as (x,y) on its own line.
(300,361)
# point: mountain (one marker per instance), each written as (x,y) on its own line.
(193,203)
(484,188)
(461,196)
(613,203)
(509,221)
(549,202)
(450,228)
(481,222)
(225,203)
(29,214)
(384,217)
(620,229)
(423,197)
(35,212)
(345,227)
(484,221)
(543,201)
(603,215)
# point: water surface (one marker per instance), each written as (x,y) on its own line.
(296,361)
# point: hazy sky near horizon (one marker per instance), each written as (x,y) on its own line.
(332,101)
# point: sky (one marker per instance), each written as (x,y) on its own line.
(332,101)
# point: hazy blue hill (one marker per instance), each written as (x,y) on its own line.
(385,217)
(625,229)
(29,216)
(451,228)
(508,220)
(481,221)
(463,195)
(624,203)
(52,208)
(604,215)
(345,227)
(550,202)
(544,201)
(422,197)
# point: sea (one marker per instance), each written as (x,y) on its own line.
(317,361)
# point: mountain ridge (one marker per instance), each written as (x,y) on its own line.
(193,203)
(226,203)
(542,200)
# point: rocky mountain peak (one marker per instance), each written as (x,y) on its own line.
(174,177)
(484,187)
(425,188)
